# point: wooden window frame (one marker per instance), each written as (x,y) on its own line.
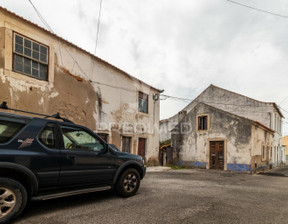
(206,126)
(39,66)
(263,152)
(143,97)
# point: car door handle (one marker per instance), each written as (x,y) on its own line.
(71,157)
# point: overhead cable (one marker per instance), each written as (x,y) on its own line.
(98,26)
(257,9)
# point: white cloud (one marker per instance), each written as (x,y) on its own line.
(180,46)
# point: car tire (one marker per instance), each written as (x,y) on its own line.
(128,183)
(13,199)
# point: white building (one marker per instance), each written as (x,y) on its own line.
(44,73)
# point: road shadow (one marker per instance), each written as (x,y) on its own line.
(274,174)
(49,206)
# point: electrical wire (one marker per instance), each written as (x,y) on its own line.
(282,101)
(176,98)
(98,27)
(50,29)
(75,61)
(41,17)
(257,9)
(283,109)
(47,26)
(122,88)
(97,35)
(228,104)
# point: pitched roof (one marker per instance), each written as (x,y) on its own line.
(9,13)
(214,86)
(231,114)
(268,103)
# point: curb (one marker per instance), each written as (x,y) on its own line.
(157,169)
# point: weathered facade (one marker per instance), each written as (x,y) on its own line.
(265,114)
(226,141)
(44,73)
(285,145)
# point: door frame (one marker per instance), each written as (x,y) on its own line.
(131,142)
(145,147)
(208,151)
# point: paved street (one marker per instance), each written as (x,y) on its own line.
(278,171)
(175,196)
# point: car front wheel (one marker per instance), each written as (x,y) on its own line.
(13,199)
(128,183)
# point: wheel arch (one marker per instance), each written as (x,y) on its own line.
(21,174)
(127,165)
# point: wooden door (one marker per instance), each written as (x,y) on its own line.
(141,147)
(217,155)
(126,144)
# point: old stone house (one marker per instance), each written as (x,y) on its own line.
(211,138)
(41,72)
(264,119)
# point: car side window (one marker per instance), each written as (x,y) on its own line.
(47,136)
(75,138)
(9,128)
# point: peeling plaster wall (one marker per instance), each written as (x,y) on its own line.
(261,138)
(234,103)
(237,104)
(193,146)
(88,91)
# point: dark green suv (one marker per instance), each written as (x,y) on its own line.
(44,158)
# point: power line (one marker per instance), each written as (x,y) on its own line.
(98,26)
(75,61)
(176,98)
(227,104)
(41,17)
(50,29)
(257,9)
(97,35)
(47,26)
(283,109)
(283,100)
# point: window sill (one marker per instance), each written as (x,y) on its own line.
(141,114)
(26,78)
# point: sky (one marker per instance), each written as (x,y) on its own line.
(180,46)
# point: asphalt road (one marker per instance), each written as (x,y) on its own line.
(174,196)
(278,171)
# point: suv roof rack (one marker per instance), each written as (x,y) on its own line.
(56,116)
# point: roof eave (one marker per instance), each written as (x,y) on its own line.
(79,48)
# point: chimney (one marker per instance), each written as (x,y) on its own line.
(181,115)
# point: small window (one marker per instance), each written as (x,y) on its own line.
(126,144)
(78,139)
(30,58)
(47,136)
(9,128)
(143,102)
(202,123)
(263,152)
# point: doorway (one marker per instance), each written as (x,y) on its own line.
(126,144)
(142,147)
(217,155)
